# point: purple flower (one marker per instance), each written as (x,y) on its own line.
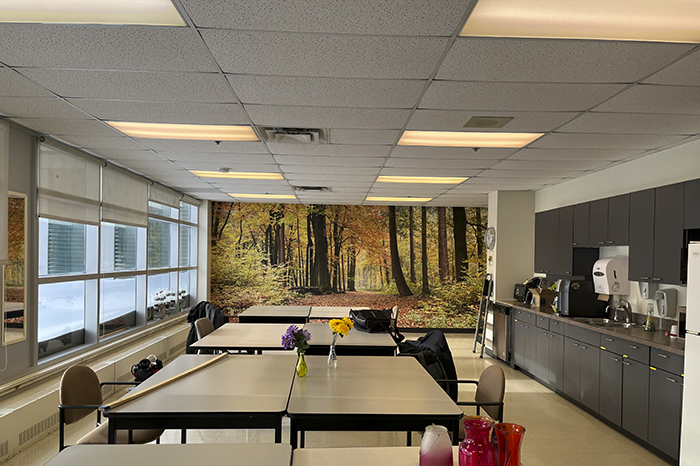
(297,338)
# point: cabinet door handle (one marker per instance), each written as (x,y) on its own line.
(644,278)
(633,347)
(567,273)
(583,347)
(574,244)
(608,339)
(663,356)
(610,242)
(656,279)
(626,363)
(670,379)
(551,336)
(575,344)
(601,242)
(615,359)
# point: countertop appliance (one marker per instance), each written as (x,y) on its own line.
(610,276)
(690,428)
(577,298)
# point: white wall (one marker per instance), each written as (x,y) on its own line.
(512,260)
(203,252)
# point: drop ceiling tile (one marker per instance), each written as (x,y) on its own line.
(348,189)
(604,141)
(21,107)
(405,18)
(644,98)
(481,201)
(248,184)
(536,174)
(103,48)
(71,127)
(326,92)
(549,165)
(332,161)
(117,154)
(219,197)
(97,143)
(454,120)
(394,203)
(148,164)
(451,153)
(546,60)
(435,163)
(364,136)
(328,170)
(16,85)
(454,171)
(324,55)
(499,178)
(634,123)
(684,72)
(134,85)
(525,97)
(203,113)
(262,190)
(323,117)
(309,177)
(333,184)
(184,145)
(609,155)
(331,150)
(215,157)
(247,167)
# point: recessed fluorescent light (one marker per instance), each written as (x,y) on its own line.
(399,199)
(420,179)
(262,196)
(633,20)
(192,132)
(144,12)
(237,175)
(466,139)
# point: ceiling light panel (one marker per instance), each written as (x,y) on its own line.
(340,56)
(326,92)
(673,20)
(518,97)
(466,139)
(430,172)
(190,132)
(105,48)
(151,13)
(413,200)
(262,196)
(237,175)
(421,179)
(567,61)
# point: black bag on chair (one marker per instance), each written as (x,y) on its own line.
(371,321)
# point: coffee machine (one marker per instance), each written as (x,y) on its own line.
(577,298)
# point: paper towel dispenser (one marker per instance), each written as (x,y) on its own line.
(610,276)
(666,303)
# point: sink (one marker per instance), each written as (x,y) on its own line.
(604,322)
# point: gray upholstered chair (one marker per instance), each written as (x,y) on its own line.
(80,394)
(204,327)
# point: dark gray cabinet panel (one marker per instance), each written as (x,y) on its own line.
(530,347)
(668,234)
(618,220)
(542,355)
(635,398)
(598,223)
(691,203)
(667,361)
(556,361)
(572,369)
(610,405)
(564,260)
(590,375)
(641,236)
(665,397)
(581,215)
(546,240)
(518,343)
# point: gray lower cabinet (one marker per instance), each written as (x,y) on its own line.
(572,369)
(518,343)
(665,396)
(542,356)
(581,372)
(556,361)
(635,398)
(610,405)
(525,345)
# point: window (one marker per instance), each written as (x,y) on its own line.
(162,244)
(123,248)
(161,210)
(118,304)
(188,246)
(62,309)
(66,248)
(162,295)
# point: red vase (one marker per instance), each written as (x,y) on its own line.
(476,448)
(510,437)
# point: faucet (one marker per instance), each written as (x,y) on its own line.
(624,305)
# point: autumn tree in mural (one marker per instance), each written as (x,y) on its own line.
(350,256)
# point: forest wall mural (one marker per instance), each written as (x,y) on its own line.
(430,261)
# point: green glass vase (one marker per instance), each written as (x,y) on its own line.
(302,368)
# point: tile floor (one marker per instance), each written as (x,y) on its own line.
(558,433)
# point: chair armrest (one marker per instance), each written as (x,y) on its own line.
(456,381)
(62,406)
(118,383)
(474,403)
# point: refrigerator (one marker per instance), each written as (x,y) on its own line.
(690,427)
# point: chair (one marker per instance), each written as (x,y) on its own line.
(394,317)
(490,389)
(204,327)
(80,394)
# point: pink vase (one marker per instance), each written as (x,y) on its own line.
(510,437)
(476,448)
(436,447)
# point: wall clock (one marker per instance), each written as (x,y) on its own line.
(490,237)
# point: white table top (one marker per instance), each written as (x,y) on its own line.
(331,312)
(245,336)
(384,456)
(321,334)
(284,311)
(236,384)
(369,385)
(253,454)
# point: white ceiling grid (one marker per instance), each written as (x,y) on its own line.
(362,70)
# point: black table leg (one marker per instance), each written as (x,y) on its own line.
(183,436)
(293,433)
(111,432)
(408,438)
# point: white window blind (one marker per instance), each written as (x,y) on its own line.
(124,198)
(69,186)
(163,195)
(4,181)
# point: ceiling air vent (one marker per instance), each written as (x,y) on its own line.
(487,122)
(295,135)
(317,189)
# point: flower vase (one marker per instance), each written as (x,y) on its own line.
(332,356)
(510,437)
(436,447)
(302,368)
(476,448)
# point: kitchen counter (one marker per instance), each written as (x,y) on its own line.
(655,339)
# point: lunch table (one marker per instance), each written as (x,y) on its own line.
(331,312)
(236,392)
(275,315)
(352,456)
(368,393)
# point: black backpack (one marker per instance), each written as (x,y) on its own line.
(433,353)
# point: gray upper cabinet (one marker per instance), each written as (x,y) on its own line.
(546,240)
(581,216)
(598,223)
(564,263)
(618,220)
(668,234)
(641,254)
(691,211)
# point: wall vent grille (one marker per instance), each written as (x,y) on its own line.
(176,349)
(37,429)
(4,448)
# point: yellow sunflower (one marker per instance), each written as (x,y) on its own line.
(340,326)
